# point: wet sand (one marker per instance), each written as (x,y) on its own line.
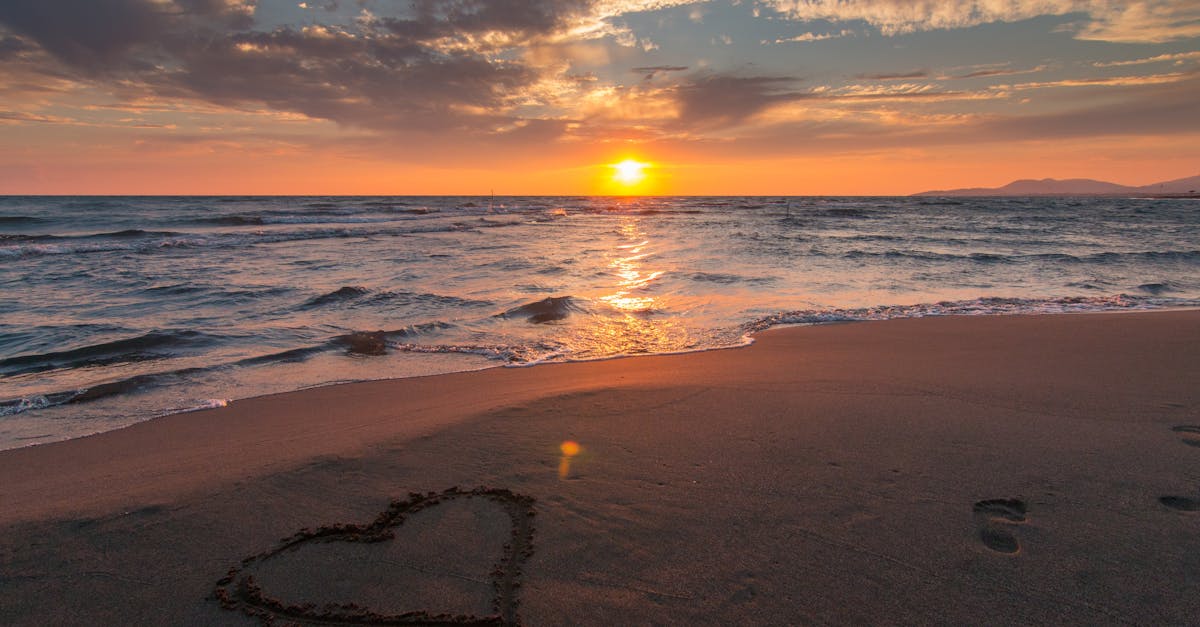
(1036,469)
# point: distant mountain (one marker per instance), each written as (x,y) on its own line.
(1074,187)
(1189,185)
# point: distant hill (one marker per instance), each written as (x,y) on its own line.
(1189,185)
(1075,187)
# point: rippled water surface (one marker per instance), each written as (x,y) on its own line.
(116,310)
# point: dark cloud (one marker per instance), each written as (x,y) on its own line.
(522,19)
(987,73)
(106,34)
(390,74)
(722,99)
(88,33)
(894,77)
(382,84)
(899,95)
(651,70)
(11,46)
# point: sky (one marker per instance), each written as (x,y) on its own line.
(512,97)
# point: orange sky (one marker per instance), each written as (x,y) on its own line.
(890,172)
(757,97)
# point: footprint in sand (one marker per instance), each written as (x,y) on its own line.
(1181,503)
(994,518)
(1189,434)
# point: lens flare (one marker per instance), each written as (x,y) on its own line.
(569,449)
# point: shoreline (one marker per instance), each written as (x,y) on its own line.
(873,458)
(752,331)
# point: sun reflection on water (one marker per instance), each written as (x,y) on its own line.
(635,329)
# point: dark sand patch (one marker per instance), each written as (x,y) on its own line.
(1181,503)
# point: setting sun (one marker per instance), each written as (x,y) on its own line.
(629,172)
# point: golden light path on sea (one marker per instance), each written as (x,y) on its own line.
(638,330)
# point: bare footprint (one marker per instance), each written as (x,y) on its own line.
(1189,434)
(994,518)
(1181,503)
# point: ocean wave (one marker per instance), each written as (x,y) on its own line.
(19,237)
(726,279)
(291,355)
(9,407)
(1085,285)
(127,233)
(123,234)
(149,241)
(661,211)
(175,289)
(990,306)
(230,221)
(984,257)
(878,237)
(1149,255)
(516,354)
(153,345)
(211,403)
(442,301)
(21,220)
(354,343)
(286,219)
(353,295)
(546,310)
(1157,288)
(339,295)
(419,211)
(842,212)
(370,343)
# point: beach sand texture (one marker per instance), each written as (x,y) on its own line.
(961,470)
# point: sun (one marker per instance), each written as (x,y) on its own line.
(629,172)
(628,175)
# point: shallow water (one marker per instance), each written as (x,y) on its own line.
(118,309)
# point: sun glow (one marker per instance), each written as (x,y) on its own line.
(629,175)
(629,172)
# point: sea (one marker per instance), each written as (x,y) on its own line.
(116,310)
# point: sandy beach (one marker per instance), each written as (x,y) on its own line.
(959,470)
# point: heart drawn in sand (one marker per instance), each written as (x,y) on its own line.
(238,590)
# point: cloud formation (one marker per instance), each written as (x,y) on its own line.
(653,70)
(894,76)
(1106,20)
(440,67)
(101,34)
(474,76)
(715,100)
